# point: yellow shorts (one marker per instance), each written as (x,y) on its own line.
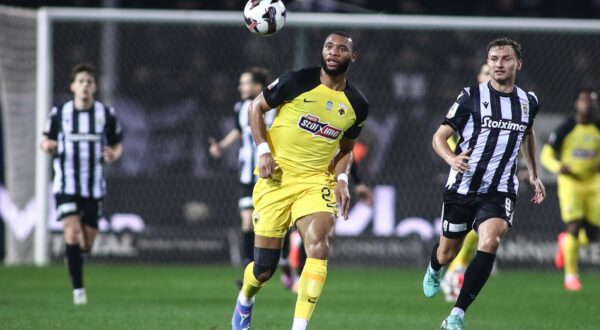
(278,204)
(579,199)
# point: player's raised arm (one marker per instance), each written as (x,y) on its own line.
(266,164)
(528,151)
(341,168)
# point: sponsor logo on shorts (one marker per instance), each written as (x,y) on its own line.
(457,227)
(66,208)
(316,127)
(508,207)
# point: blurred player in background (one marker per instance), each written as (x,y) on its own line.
(494,120)
(454,276)
(82,135)
(573,152)
(304,161)
(251,83)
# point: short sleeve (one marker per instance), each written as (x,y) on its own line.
(290,85)
(114,131)
(460,112)
(280,90)
(360,104)
(534,108)
(52,126)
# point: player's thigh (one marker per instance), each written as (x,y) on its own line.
(91,211)
(571,200)
(314,198)
(272,208)
(246,218)
(457,221)
(316,230)
(494,207)
(490,233)
(72,229)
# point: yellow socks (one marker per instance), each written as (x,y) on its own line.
(466,253)
(309,289)
(571,254)
(251,285)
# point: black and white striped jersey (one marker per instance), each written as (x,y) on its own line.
(492,124)
(81,136)
(248,156)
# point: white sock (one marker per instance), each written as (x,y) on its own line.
(457,311)
(299,324)
(245,301)
(78,291)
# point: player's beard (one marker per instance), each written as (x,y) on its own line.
(342,68)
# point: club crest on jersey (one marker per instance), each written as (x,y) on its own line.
(342,110)
(525,107)
(329,106)
(452,111)
(100,120)
(312,124)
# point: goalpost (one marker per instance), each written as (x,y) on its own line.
(373,30)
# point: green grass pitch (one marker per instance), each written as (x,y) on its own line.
(175,297)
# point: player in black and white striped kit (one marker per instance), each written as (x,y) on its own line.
(251,83)
(494,121)
(82,135)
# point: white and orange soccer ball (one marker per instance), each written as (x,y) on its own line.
(264,17)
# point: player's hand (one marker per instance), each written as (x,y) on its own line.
(214,150)
(342,198)
(49,146)
(460,163)
(540,191)
(110,154)
(363,192)
(266,165)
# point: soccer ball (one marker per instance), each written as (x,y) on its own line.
(264,17)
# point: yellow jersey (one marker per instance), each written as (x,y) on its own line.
(310,121)
(574,145)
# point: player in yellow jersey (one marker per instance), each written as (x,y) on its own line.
(304,160)
(573,152)
(453,279)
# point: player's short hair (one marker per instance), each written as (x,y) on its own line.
(505,41)
(345,35)
(588,90)
(259,75)
(84,67)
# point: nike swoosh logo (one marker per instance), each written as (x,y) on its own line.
(308,101)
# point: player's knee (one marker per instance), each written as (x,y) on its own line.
(265,263)
(317,249)
(489,244)
(72,235)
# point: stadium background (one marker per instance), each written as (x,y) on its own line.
(170,204)
(174,86)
